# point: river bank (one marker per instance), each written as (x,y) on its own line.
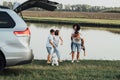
(71,21)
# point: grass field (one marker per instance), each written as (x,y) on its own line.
(84,70)
(75,20)
(87,15)
(82,21)
(84,18)
(111,11)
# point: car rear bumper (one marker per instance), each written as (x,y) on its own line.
(25,59)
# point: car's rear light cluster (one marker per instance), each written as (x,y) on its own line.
(25,32)
(24,36)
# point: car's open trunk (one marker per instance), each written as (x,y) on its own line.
(44,4)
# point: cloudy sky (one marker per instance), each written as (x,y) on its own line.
(107,3)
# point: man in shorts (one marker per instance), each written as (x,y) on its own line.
(50,45)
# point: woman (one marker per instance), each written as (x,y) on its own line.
(77,42)
(57,39)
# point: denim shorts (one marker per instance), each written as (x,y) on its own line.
(49,50)
(76,46)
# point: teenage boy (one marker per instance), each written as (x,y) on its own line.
(50,45)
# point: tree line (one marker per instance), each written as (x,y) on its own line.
(84,8)
(76,7)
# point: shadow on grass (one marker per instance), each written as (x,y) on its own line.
(26,69)
(118,77)
(13,72)
(40,62)
(44,63)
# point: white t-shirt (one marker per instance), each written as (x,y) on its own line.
(50,37)
(77,40)
(56,40)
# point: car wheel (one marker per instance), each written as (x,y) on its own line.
(2,62)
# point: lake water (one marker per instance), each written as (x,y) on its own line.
(100,43)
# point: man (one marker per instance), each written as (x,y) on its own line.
(50,45)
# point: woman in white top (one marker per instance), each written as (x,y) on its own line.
(77,42)
(56,41)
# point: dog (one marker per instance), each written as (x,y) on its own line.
(54,60)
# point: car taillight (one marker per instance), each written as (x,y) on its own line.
(25,32)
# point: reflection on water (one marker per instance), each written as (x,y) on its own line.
(101,43)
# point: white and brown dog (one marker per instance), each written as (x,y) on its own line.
(54,60)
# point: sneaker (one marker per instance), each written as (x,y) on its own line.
(72,61)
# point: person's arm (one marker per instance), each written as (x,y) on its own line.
(83,47)
(82,40)
(61,40)
(52,43)
(72,35)
(76,36)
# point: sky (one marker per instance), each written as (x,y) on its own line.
(106,3)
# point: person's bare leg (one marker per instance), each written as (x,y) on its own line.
(73,56)
(78,56)
(48,58)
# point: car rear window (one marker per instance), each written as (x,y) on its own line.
(6,21)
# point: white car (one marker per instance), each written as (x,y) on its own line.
(15,34)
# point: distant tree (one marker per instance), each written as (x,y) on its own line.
(5,3)
(60,7)
(78,8)
(68,7)
(8,4)
(85,8)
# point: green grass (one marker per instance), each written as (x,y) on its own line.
(85,70)
(66,14)
(77,20)
(111,10)
(82,21)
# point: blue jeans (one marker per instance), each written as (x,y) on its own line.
(57,52)
(49,50)
(76,46)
